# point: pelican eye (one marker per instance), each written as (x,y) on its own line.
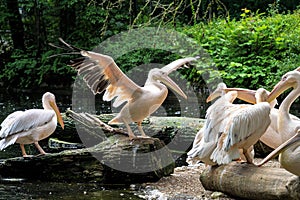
(284,78)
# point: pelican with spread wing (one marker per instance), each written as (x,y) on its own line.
(102,73)
(283,123)
(271,137)
(31,126)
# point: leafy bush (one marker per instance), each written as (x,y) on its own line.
(254,51)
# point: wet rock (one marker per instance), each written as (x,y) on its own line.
(56,144)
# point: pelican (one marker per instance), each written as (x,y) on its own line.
(195,154)
(192,154)
(288,127)
(286,123)
(102,73)
(289,154)
(231,130)
(271,137)
(31,126)
(202,149)
(243,127)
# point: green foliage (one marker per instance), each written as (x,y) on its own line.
(254,51)
(22,68)
(251,51)
(26,70)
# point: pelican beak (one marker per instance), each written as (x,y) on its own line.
(171,84)
(213,95)
(278,89)
(281,148)
(58,115)
(244,94)
(291,141)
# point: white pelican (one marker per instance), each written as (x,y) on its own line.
(31,126)
(202,148)
(288,127)
(102,73)
(231,129)
(272,137)
(289,154)
(243,127)
(192,154)
(198,147)
(286,124)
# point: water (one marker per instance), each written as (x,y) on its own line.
(49,190)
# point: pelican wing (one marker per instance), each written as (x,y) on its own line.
(24,120)
(102,73)
(247,121)
(177,64)
(216,116)
(237,124)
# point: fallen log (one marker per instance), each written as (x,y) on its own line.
(117,160)
(250,182)
(176,132)
(165,128)
(114,159)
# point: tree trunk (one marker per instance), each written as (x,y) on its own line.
(117,160)
(250,182)
(178,132)
(16,24)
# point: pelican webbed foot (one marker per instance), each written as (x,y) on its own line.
(41,154)
(28,156)
(24,154)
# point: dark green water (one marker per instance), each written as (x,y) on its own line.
(71,191)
